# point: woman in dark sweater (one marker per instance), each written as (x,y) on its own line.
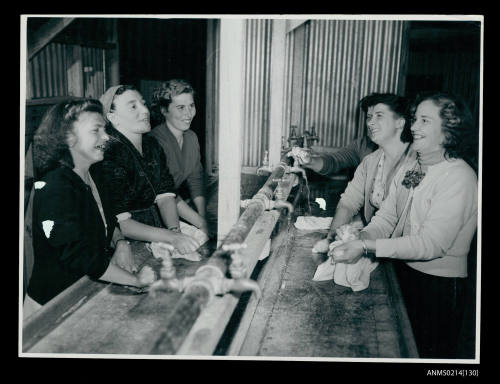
(174,105)
(73,235)
(134,177)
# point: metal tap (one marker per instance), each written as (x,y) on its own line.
(265,165)
(238,270)
(309,137)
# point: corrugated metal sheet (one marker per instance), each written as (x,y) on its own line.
(341,61)
(93,71)
(48,72)
(256,91)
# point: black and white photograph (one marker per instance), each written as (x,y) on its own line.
(264,187)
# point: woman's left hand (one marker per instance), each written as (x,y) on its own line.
(348,253)
(123,257)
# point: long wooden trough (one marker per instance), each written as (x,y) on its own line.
(292,317)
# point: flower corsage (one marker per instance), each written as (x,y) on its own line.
(413,178)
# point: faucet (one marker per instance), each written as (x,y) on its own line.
(310,137)
(265,165)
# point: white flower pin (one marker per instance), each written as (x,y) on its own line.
(47,227)
(39,184)
(321,202)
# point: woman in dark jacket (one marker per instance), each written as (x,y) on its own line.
(72,234)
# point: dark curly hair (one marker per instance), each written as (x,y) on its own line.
(398,104)
(164,94)
(50,147)
(457,123)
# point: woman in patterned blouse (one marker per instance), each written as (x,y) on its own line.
(388,123)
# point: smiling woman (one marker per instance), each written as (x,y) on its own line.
(387,120)
(174,101)
(431,220)
(73,235)
(134,177)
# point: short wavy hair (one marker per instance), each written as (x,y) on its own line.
(457,124)
(164,94)
(50,146)
(398,104)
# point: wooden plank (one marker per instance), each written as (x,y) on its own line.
(46,33)
(277,90)
(240,336)
(52,314)
(231,88)
(210,325)
(251,331)
(291,24)
(74,67)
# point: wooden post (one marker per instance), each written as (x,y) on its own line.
(112,59)
(277,90)
(212,102)
(231,122)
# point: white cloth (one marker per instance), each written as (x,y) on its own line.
(187,229)
(355,276)
(313,222)
(198,235)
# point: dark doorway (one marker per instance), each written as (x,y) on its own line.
(445,56)
(156,50)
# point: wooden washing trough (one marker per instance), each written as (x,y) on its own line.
(294,317)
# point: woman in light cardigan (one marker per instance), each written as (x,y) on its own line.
(388,124)
(428,220)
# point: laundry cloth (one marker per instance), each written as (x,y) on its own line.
(187,229)
(313,223)
(355,276)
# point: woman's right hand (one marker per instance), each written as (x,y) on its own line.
(184,243)
(123,257)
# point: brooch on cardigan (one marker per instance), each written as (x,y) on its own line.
(413,178)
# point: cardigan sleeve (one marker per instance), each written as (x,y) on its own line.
(452,204)
(61,211)
(345,158)
(194,179)
(353,197)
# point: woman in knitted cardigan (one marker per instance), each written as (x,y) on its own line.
(428,220)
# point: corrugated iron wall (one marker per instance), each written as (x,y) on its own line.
(336,63)
(257,88)
(330,65)
(48,71)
